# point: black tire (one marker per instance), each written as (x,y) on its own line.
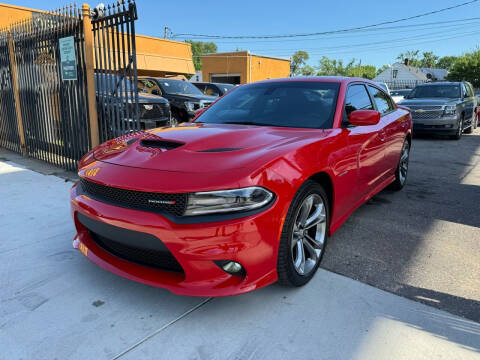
(287,274)
(469,130)
(401,177)
(459,133)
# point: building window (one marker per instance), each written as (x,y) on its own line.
(394,74)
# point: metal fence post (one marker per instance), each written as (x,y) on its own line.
(90,71)
(13,69)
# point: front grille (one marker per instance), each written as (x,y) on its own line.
(162,260)
(158,111)
(425,107)
(137,247)
(427,115)
(149,201)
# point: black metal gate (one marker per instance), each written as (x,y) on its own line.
(53,107)
(116,69)
(9,138)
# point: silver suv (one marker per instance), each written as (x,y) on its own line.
(446,108)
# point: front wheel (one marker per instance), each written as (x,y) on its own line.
(402,168)
(458,135)
(304,235)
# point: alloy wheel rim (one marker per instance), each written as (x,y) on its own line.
(308,235)
(460,125)
(403,165)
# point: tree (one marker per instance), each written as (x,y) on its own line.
(200,48)
(298,62)
(307,70)
(382,68)
(411,55)
(339,68)
(429,60)
(466,67)
(446,62)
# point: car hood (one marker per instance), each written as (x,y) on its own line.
(428,101)
(186,97)
(199,148)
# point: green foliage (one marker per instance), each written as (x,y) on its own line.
(298,62)
(466,67)
(333,67)
(200,48)
(446,62)
(382,68)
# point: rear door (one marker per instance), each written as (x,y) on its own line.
(393,126)
(368,142)
(469,103)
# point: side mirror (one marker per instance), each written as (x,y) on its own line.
(364,117)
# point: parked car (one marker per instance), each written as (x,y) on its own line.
(245,195)
(213,89)
(115,95)
(399,95)
(384,86)
(183,96)
(446,108)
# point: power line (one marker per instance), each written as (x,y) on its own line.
(370,32)
(206,36)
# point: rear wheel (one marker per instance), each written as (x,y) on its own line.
(402,168)
(304,235)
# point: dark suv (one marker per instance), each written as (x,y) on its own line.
(115,95)
(213,89)
(446,108)
(184,98)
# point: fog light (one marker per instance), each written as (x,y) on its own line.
(231,267)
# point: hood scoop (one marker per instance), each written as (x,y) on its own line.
(160,144)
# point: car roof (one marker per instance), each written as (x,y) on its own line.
(441,83)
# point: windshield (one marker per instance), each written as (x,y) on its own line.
(299,104)
(435,91)
(178,87)
(113,83)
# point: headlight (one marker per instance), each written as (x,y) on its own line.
(190,105)
(450,110)
(249,198)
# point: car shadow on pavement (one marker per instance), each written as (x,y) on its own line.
(466,307)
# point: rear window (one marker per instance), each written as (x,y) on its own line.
(299,104)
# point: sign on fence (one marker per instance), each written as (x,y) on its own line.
(67,58)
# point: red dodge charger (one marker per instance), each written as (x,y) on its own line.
(245,195)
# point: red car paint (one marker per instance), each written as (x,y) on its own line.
(359,161)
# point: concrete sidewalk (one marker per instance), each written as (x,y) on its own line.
(55,304)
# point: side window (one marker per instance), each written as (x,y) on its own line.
(382,100)
(467,90)
(357,99)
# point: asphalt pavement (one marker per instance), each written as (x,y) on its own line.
(422,242)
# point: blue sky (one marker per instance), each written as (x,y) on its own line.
(447,33)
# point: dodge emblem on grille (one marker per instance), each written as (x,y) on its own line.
(161,202)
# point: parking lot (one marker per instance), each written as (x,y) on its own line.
(422,243)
